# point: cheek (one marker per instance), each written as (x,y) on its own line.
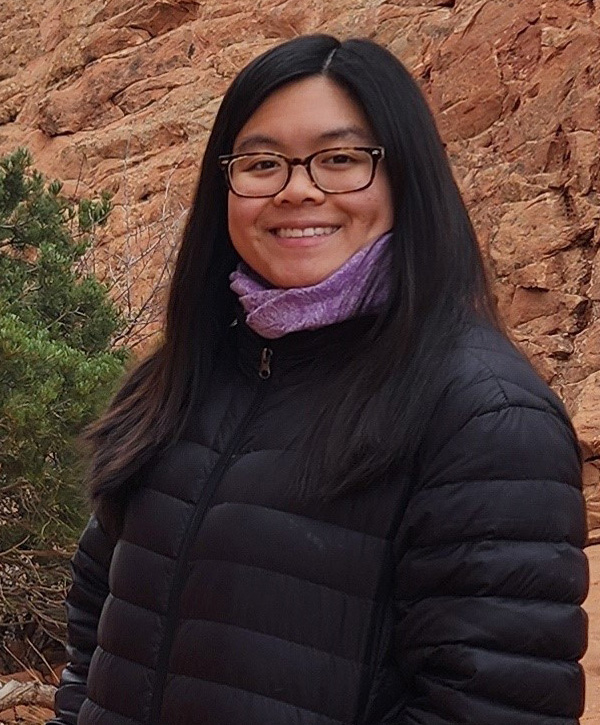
(237,214)
(374,211)
(387,212)
(382,208)
(242,216)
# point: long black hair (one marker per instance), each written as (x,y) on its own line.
(380,400)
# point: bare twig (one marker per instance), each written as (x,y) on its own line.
(15,547)
(44,660)
(32,673)
(145,253)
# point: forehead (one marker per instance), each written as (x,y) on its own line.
(303,114)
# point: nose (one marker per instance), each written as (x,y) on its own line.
(299,189)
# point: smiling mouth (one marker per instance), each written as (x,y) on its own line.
(291,232)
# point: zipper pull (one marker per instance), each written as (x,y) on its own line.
(264,369)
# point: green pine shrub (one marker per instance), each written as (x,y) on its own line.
(57,370)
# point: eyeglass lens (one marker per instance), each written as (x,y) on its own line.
(335,170)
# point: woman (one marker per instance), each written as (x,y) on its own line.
(336,493)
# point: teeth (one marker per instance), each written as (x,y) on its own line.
(307,232)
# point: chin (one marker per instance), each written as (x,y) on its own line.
(297,275)
(289,281)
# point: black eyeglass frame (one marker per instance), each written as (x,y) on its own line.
(377,153)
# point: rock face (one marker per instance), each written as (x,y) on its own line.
(121,94)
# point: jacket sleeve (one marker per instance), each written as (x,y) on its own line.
(491,573)
(84,603)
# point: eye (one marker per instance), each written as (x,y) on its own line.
(340,157)
(258,164)
(263,165)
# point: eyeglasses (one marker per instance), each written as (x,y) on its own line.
(335,171)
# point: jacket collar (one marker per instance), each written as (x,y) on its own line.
(297,355)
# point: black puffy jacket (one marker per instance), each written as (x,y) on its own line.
(447,595)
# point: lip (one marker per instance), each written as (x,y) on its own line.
(303,242)
(301,225)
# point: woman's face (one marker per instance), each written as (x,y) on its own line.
(297,120)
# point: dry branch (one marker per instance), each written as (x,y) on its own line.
(137,274)
(13,693)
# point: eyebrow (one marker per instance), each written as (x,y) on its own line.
(334,134)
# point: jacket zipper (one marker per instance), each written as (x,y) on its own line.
(264,368)
(179,578)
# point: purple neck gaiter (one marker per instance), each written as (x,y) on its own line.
(360,285)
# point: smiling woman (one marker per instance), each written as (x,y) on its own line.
(301,233)
(336,494)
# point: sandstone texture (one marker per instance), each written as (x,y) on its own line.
(121,95)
